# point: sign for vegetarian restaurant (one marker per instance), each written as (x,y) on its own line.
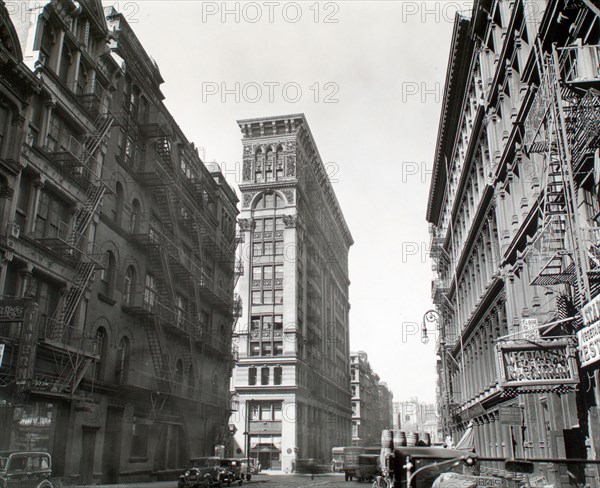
(545,364)
(588,338)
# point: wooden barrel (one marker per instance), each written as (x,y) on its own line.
(387,439)
(399,438)
(426,438)
(412,438)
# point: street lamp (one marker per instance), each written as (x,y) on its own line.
(247,434)
(433,317)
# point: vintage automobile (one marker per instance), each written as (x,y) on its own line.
(249,466)
(25,469)
(418,467)
(231,471)
(202,472)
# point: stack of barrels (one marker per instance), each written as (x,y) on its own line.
(393,439)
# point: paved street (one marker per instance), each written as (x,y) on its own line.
(264,481)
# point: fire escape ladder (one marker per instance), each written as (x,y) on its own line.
(559,233)
(166,269)
(160,359)
(70,299)
(86,212)
(102,126)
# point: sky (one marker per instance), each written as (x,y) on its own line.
(369,77)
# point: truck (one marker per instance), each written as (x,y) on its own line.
(347,460)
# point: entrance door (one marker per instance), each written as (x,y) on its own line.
(111,454)
(88,447)
(264,458)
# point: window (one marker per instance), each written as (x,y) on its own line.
(256,298)
(268,225)
(123,359)
(256,272)
(268,272)
(267,296)
(257,249)
(129,286)
(279,248)
(264,376)
(268,248)
(279,225)
(118,208)
(252,376)
(107,276)
(150,292)
(3,127)
(278,349)
(277,372)
(134,222)
(139,438)
(52,212)
(255,349)
(278,296)
(279,271)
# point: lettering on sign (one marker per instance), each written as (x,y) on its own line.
(510,415)
(12,310)
(588,340)
(551,363)
(530,329)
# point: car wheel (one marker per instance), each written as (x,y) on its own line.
(248,477)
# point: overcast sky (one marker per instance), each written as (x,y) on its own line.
(369,77)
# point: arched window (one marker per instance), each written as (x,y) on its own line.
(107,276)
(259,163)
(129,286)
(269,200)
(118,211)
(269,165)
(279,164)
(102,347)
(123,352)
(134,222)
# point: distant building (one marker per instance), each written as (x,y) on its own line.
(292,379)
(371,402)
(415,416)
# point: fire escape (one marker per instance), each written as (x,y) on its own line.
(182,199)
(72,350)
(563,126)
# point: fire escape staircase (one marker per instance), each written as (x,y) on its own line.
(565,144)
(72,368)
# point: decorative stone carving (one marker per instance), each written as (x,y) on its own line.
(247,170)
(246,224)
(291,165)
(289,194)
(248,196)
(290,221)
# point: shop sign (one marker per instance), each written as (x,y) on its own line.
(1,353)
(543,364)
(510,415)
(588,338)
(13,309)
(530,329)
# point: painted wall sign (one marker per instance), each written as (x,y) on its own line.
(13,309)
(546,363)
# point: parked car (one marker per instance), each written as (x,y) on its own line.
(231,471)
(201,472)
(25,469)
(249,466)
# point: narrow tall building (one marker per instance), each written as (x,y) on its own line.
(293,373)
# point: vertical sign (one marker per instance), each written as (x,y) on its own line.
(530,329)
(1,353)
